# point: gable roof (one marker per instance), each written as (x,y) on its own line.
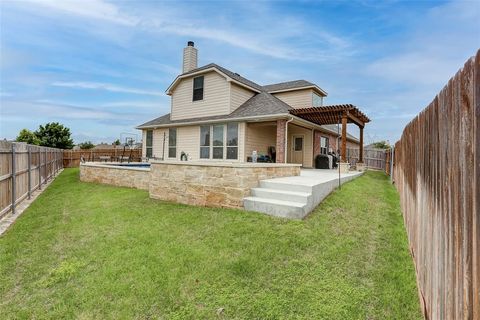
(215,67)
(293,85)
(260,105)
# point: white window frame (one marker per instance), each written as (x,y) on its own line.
(225,146)
(327,139)
(176,143)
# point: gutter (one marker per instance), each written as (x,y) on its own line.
(240,119)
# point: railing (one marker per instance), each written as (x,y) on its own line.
(24,169)
(72,158)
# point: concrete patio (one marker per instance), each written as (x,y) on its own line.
(295,197)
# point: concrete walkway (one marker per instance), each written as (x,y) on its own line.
(295,197)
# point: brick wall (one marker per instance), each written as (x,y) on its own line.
(280,148)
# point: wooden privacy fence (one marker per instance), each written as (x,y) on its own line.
(437,174)
(373,158)
(23,169)
(71,158)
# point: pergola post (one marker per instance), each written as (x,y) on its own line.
(344,166)
(361,164)
(360,157)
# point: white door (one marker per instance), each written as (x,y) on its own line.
(297,149)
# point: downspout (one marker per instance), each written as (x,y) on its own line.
(286,137)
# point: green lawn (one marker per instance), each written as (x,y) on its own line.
(89,251)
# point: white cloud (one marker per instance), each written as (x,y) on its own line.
(107,87)
(185,22)
(95,9)
(436,50)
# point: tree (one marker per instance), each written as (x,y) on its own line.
(86,145)
(381,144)
(116,142)
(54,135)
(28,136)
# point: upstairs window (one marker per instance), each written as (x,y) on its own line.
(317,101)
(149,144)
(198,88)
(172,143)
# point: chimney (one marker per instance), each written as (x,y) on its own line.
(190,54)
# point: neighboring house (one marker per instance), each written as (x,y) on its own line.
(218,115)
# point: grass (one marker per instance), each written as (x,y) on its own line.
(92,251)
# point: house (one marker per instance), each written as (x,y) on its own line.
(218,115)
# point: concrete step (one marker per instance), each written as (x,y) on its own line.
(271,184)
(275,207)
(301,197)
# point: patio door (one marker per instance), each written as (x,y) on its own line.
(297,149)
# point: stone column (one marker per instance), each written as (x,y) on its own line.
(280,148)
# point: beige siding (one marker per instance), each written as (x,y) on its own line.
(296,99)
(144,143)
(157,143)
(307,144)
(215,98)
(260,136)
(238,96)
(188,141)
(241,141)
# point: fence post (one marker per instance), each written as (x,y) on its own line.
(392,154)
(45,167)
(39,168)
(14,169)
(29,172)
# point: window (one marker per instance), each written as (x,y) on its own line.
(218,141)
(172,143)
(317,101)
(324,145)
(205,142)
(232,141)
(197,88)
(149,144)
(298,144)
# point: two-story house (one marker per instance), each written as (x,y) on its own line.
(218,115)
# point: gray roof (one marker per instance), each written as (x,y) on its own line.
(262,104)
(229,73)
(288,85)
(333,127)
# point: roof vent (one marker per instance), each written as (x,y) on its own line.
(237,74)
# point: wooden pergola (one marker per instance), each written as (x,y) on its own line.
(344,113)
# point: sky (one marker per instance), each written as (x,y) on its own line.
(102,67)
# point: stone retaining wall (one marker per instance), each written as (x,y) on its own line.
(212,184)
(115,175)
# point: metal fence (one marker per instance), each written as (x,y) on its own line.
(437,174)
(72,158)
(24,169)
